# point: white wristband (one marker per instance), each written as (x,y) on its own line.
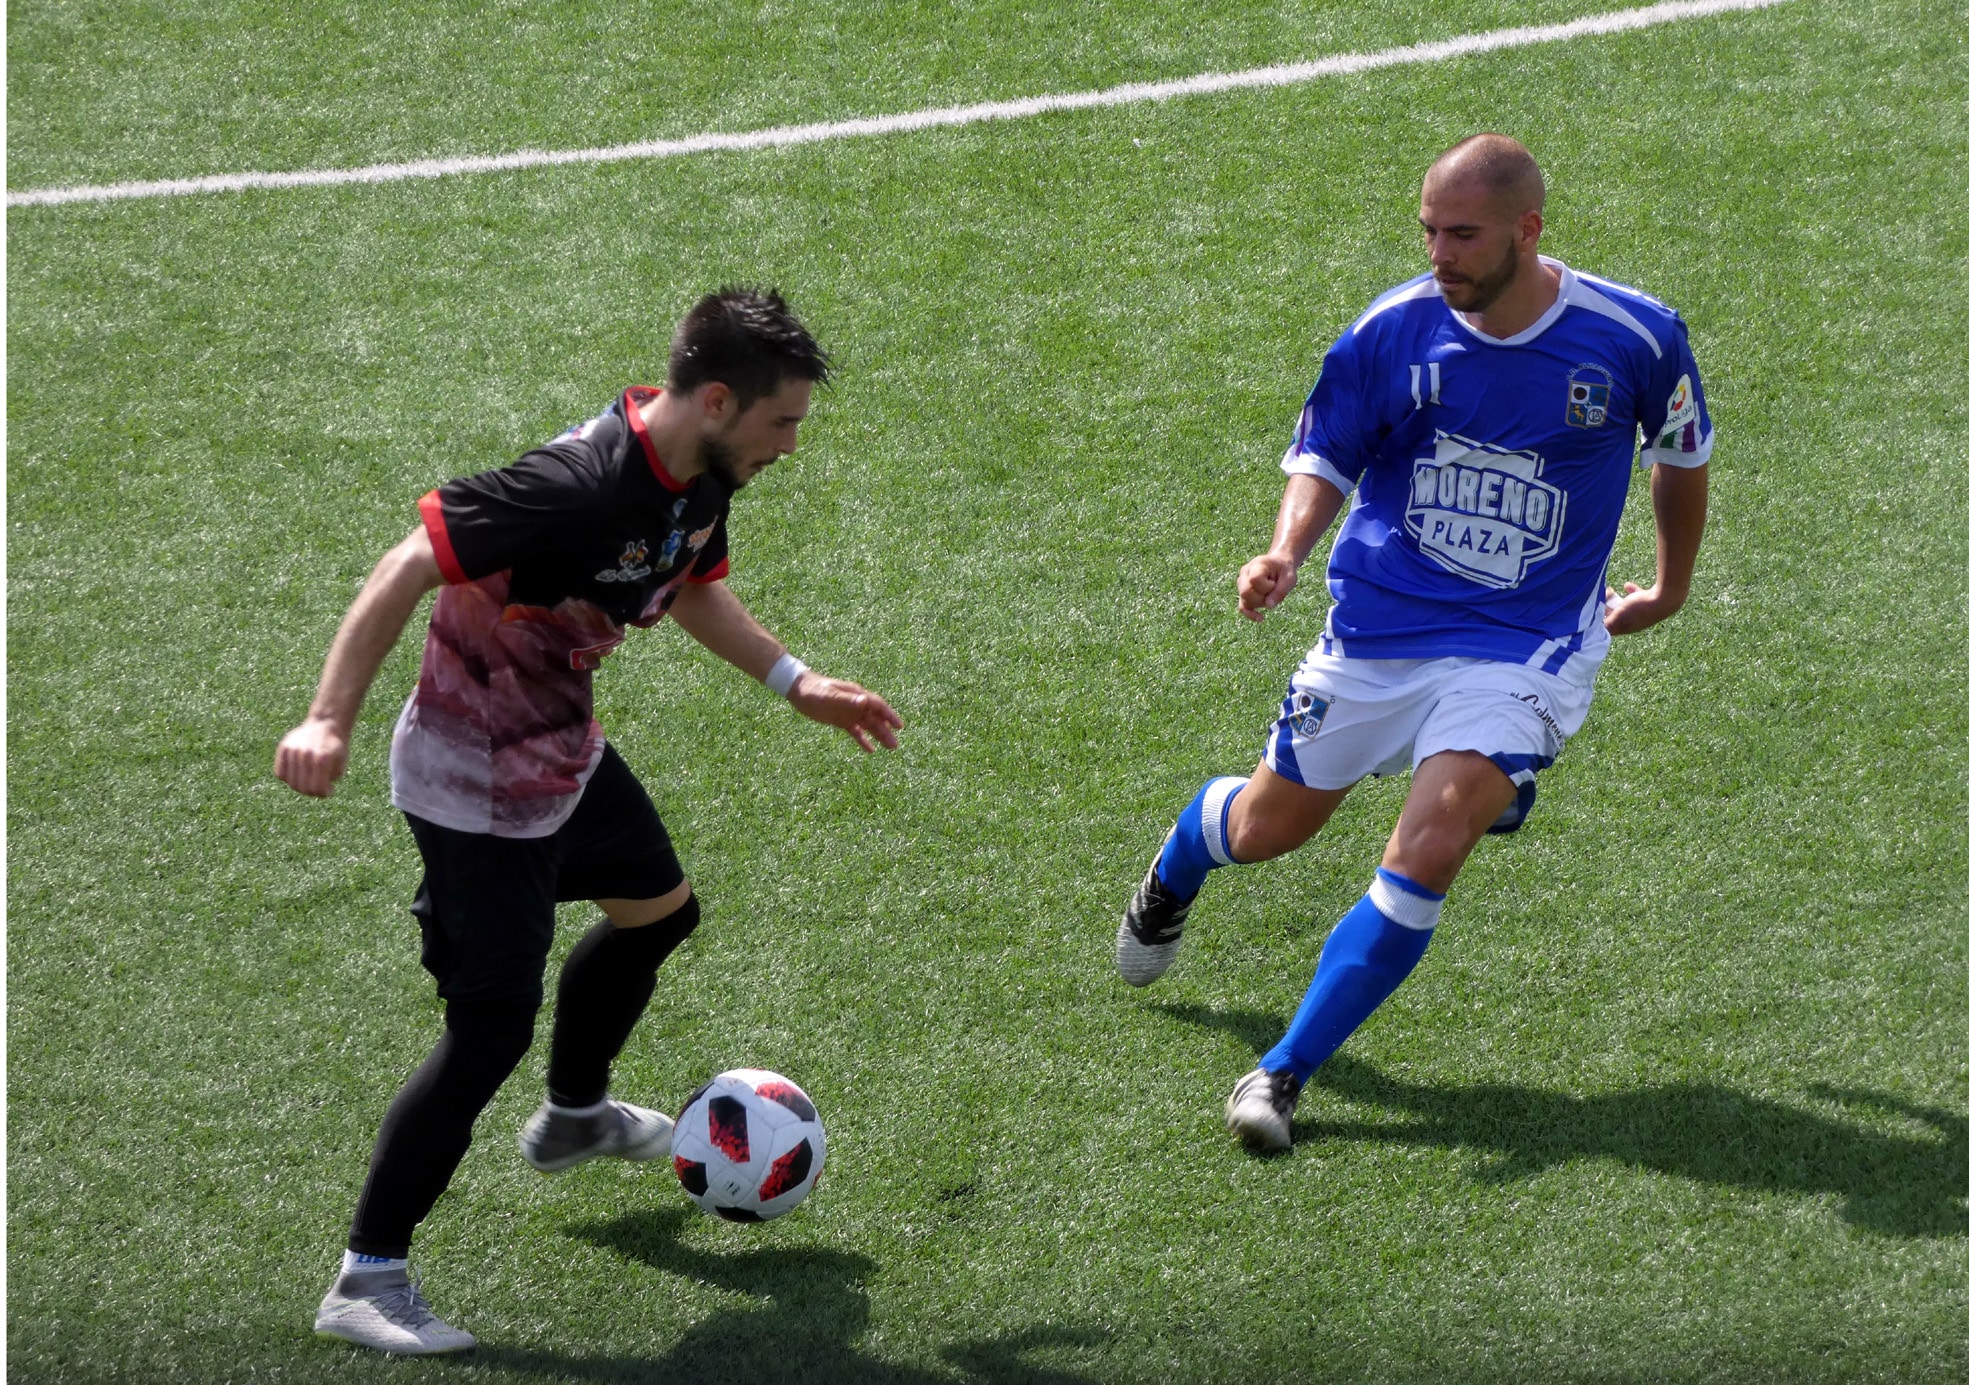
(784,674)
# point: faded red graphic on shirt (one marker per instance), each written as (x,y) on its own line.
(500,735)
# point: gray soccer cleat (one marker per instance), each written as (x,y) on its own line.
(1151,931)
(1260,1109)
(555,1140)
(387,1312)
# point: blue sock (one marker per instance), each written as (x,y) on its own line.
(1200,841)
(1367,955)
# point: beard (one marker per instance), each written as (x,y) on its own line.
(721,462)
(1476,294)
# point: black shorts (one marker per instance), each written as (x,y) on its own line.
(486,904)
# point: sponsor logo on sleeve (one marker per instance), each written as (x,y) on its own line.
(1482,512)
(1681,418)
(1589,388)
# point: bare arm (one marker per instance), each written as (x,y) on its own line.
(712,614)
(314,754)
(1304,515)
(1681,506)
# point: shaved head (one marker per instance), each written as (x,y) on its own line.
(1498,164)
(1483,210)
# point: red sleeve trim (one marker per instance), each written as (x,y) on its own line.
(632,397)
(717,574)
(432,511)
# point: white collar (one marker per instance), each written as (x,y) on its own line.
(1567,279)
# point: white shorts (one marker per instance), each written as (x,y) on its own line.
(1344,719)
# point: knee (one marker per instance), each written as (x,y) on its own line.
(1430,854)
(498,1032)
(641,913)
(652,942)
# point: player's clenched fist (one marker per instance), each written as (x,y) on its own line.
(311,757)
(853,708)
(1264,582)
(1634,610)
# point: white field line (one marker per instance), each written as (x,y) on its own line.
(785,136)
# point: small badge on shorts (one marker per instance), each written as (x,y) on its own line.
(1306,714)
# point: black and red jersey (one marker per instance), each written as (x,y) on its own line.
(545,562)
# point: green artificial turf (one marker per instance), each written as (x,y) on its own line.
(1681,1091)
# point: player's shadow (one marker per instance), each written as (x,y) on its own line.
(1903,1184)
(813,1312)
(1256,1031)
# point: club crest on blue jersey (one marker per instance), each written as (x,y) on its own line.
(1482,512)
(1588,390)
(1306,713)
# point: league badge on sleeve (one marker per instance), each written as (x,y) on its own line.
(1588,391)
(1681,419)
(1681,405)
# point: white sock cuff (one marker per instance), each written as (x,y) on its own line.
(1409,910)
(1216,817)
(353,1263)
(594,1110)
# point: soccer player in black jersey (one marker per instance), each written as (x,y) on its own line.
(515,798)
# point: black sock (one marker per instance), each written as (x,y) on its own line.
(429,1125)
(605,984)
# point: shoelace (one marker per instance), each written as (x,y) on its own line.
(405,1306)
(580,1131)
(1284,1092)
(1154,898)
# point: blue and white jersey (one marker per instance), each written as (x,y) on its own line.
(1488,474)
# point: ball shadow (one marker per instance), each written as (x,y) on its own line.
(813,1310)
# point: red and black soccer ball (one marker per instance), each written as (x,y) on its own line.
(748,1145)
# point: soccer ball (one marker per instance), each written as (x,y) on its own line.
(748,1145)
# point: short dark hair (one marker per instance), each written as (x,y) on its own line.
(746,339)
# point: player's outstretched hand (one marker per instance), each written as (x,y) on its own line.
(850,706)
(1264,582)
(1635,610)
(311,757)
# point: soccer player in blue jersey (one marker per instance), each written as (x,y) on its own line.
(1478,425)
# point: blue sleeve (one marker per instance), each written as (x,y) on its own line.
(1675,426)
(1332,440)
